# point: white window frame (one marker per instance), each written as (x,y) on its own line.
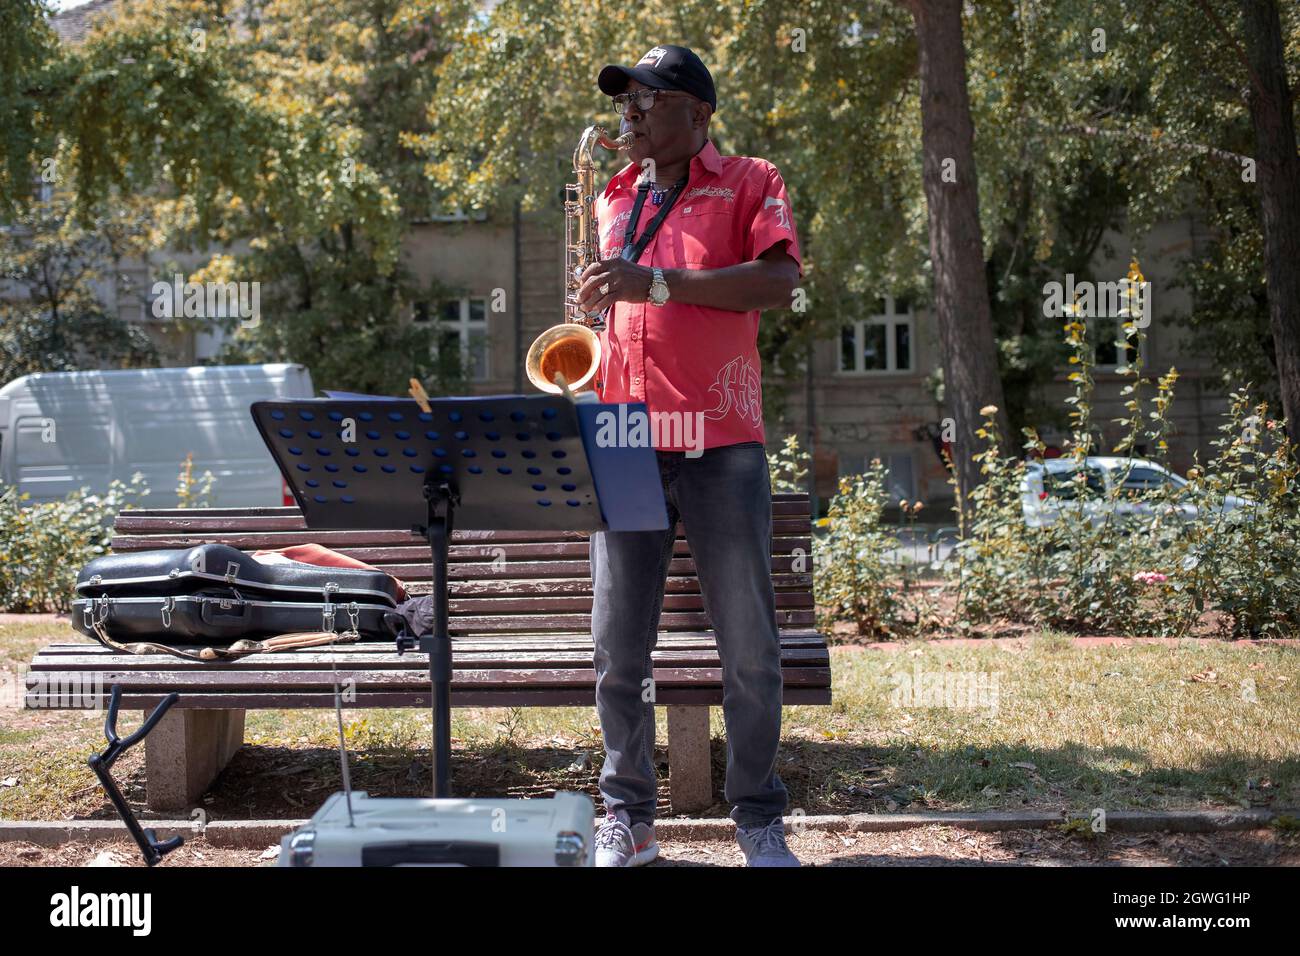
(891,318)
(1118,342)
(464,326)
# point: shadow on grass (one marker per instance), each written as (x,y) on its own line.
(834,777)
(829,777)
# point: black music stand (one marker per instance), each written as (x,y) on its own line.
(507,462)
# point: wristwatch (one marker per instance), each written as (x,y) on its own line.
(658,288)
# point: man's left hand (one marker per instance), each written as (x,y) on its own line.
(627,282)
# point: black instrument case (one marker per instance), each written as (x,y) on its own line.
(215,593)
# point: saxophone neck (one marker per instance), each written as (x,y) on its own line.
(594,136)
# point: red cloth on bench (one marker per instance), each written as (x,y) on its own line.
(325,557)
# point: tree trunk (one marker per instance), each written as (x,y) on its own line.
(961,296)
(1278,175)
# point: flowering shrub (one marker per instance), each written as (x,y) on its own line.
(1242,560)
(854,578)
(1111,560)
(45,545)
(1150,563)
(788,467)
(194,491)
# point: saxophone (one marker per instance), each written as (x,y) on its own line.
(571,348)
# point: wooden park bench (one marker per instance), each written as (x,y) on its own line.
(521,630)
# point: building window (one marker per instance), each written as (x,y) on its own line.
(1111,350)
(900,473)
(208,344)
(461,344)
(881,342)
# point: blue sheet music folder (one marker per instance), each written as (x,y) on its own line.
(518,462)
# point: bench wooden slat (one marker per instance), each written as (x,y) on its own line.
(782,504)
(475,659)
(412,679)
(545,570)
(459,588)
(496,643)
(675,639)
(668,620)
(140,524)
(544,604)
(368,542)
(466,697)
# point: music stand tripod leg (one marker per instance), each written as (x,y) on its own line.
(442,501)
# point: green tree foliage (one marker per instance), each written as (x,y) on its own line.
(54,317)
(269,136)
(1087,120)
(27,47)
(305,137)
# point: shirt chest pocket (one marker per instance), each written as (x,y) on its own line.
(701,235)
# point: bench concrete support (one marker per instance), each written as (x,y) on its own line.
(690,768)
(186,751)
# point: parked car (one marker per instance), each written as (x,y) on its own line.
(1144,487)
(61,431)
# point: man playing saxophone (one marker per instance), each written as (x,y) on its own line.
(693,245)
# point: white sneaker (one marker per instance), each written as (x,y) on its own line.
(618,844)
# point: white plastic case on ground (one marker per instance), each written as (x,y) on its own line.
(415,831)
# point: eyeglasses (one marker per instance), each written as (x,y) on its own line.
(644,99)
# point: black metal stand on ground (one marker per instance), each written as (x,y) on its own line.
(146,840)
(442,502)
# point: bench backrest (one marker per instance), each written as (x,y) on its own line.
(501,582)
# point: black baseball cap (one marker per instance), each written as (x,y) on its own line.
(665,67)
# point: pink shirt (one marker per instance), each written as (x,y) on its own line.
(694,360)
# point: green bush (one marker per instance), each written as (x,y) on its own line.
(1242,561)
(45,545)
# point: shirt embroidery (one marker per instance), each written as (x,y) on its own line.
(738,389)
(781,219)
(722,192)
(618,222)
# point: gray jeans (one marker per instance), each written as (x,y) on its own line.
(724,499)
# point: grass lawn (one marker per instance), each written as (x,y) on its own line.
(1199,724)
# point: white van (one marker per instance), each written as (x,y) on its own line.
(61,431)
